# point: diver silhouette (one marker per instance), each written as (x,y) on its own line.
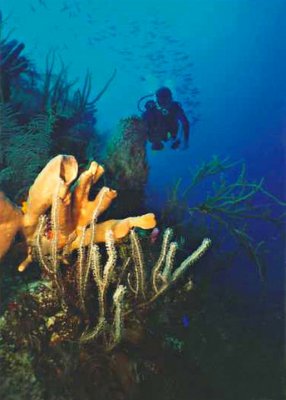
(163,119)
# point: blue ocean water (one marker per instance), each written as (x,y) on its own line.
(228,56)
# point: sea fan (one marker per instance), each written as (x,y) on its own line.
(8,128)
(22,162)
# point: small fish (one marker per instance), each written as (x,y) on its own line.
(64,8)
(154,235)
(42,2)
(90,19)
(32,8)
(185,321)
(195,91)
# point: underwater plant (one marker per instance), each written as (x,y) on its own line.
(75,112)
(12,64)
(92,296)
(230,204)
(43,111)
(19,161)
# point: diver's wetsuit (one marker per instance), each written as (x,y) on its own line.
(155,126)
(163,121)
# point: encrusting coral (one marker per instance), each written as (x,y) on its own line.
(71,211)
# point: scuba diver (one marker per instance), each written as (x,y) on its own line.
(163,119)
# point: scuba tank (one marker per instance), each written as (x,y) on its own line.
(139,103)
(150,104)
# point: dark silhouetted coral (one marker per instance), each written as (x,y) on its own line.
(126,163)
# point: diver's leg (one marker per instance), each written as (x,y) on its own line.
(175,141)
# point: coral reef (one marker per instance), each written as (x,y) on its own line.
(126,164)
(96,291)
(96,328)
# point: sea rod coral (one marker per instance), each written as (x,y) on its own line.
(132,288)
